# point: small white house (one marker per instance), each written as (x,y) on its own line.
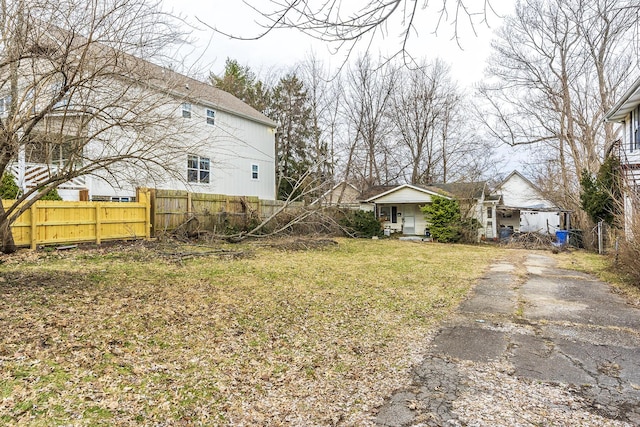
(398,207)
(626,112)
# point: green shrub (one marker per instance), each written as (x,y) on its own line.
(601,195)
(362,224)
(51,195)
(443,216)
(8,188)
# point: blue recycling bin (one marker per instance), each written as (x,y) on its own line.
(562,237)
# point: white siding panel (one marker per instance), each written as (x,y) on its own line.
(519,193)
(233,144)
(405,195)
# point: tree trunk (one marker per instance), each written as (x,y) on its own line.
(8,245)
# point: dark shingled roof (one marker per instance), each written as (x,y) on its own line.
(132,68)
(463,190)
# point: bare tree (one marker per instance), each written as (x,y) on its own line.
(554,72)
(421,107)
(323,101)
(346,23)
(370,157)
(80,100)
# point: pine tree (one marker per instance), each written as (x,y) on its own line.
(601,195)
(242,83)
(290,109)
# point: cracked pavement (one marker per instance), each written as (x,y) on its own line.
(532,345)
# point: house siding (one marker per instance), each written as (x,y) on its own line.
(404,195)
(233,144)
(518,193)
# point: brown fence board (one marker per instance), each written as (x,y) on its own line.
(213,212)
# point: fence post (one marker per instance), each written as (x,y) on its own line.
(34,226)
(143,195)
(98,222)
(600,243)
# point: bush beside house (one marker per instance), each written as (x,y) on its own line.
(443,216)
(362,224)
(9,190)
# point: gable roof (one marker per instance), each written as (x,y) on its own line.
(375,191)
(208,95)
(424,190)
(628,102)
(538,196)
(135,69)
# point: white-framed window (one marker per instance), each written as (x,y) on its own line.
(211,117)
(186,110)
(254,171)
(5,104)
(198,169)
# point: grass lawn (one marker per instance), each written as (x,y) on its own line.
(144,335)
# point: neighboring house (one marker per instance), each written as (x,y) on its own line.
(515,206)
(343,194)
(398,207)
(626,112)
(523,208)
(227,146)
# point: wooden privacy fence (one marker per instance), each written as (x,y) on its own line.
(172,209)
(57,222)
(155,211)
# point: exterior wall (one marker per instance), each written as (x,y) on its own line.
(539,222)
(517,192)
(342,194)
(628,217)
(486,216)
(233,145)
(630,159)
(630,142)
(407,214)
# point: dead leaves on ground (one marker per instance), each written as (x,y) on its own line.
(129,336)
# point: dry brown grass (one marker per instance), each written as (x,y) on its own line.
(135,335)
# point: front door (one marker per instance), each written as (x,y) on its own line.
(409,225)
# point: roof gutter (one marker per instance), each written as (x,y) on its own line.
(612,115)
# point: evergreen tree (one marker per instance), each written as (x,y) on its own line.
(601,195)
(290,109)
(9,190)
(242,83)
(444,218)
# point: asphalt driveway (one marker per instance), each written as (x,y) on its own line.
(533,345)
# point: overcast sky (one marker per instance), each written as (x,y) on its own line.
(282,49)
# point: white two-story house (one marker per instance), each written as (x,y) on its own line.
(626,112)
(115,122)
